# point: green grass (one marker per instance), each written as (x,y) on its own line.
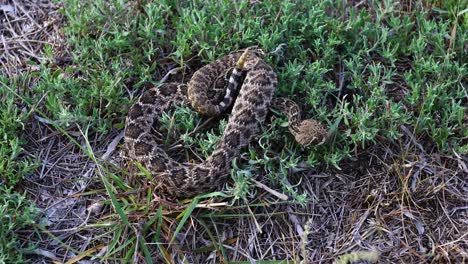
(364,74)
(16,213)
(377,56)
(13,165)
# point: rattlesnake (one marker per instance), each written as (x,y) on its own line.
(249,111)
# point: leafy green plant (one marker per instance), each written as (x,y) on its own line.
(13,165)
(16,213)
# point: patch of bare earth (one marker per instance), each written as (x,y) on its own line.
(401,199)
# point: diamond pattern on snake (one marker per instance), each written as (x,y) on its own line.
(253,81)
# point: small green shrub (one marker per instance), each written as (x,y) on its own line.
(13,167)
(16,213)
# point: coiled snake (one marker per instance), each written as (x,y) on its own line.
(255,97)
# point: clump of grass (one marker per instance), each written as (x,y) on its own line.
(184,124)
(242,186)
(16,213)
(13,165)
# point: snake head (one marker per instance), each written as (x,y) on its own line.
(311,132)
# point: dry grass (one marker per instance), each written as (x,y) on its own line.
(25,28)
(373,204)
